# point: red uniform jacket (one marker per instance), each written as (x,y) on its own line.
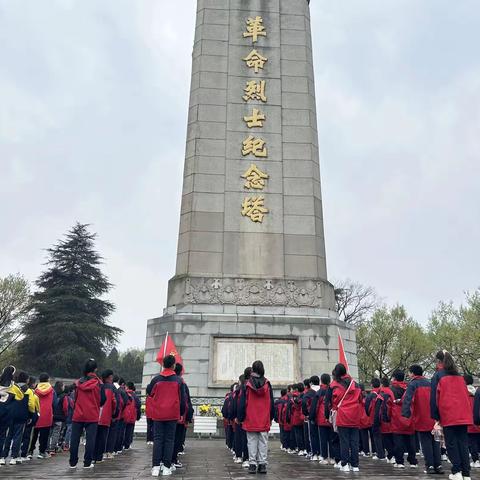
(349,412)
(109,409)
(297,417)
(388,398)
(472,393)
(399,424)
(168,397)
(256,410)
(416,404)
(89,397)
(46,396)
(317,411)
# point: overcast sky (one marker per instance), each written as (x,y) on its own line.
(93,110)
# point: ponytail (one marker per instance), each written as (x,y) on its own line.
(449,364)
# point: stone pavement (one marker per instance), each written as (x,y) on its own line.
(204,459)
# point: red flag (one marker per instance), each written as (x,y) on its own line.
(168,348)
(341,352)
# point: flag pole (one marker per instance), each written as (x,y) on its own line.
(165,347)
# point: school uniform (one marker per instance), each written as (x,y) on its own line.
(348,404)
(5,398)
(227,420)
(181,427)
(240,435)
(297,420)
(167,406)
(111,446)
(57,425)
(31,422)
(148,401)
(385,426)
(256,415)
(48,399)
(121,426)
(132,414)
(366,424)
(107,413)
(89,398)
(476,421)
(416,405)
(279,406)
(450,406)
(311,428)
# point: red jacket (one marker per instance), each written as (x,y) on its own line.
(349,410)
(399,424)
(318,408)
(416,404)
(388,398)
(89,397)
(471,396)
(168,397)
(132,411)
(256,410)
(148,406)
(109,409)
(449,400)
(46,395)
(297,417)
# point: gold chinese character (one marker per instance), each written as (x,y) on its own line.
(255,119)
(254,208)
(255,60)
(254,146)
(255,91)
(255,29)
(255,178)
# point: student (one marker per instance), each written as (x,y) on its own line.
(168,405)
(120,430)
(6,397)
(366,423)
(58,419)
(278,417)
(306,387)
(416,405)
(345,398)
(256,414)
(241,444)
(227,420)
(373,407)
(89,398)
(312,429)
(132,414)
(297,418)
(450,406)
(403,428)
(107,413)
(33,418)
(47,398)
(148,416)
(114,427)
(68,404)
(385,426)
(473,430)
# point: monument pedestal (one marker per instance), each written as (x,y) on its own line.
(216,348)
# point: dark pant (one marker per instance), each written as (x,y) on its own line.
(112,437)
(365,440)
(177,445)
(163,443)
(379,448)
(120,436)
(240,443)
(474,445)
(229,436)
(402,444)
(456,439)
(292,441)
(13,440)
(26,437)
(348,445)
(298,429)
(101,442)
(329,443)
(3,434)
(430,449)
(42,434)
(306,437)
(90,437)
(149,430)
(387,439)
(314,438)
(128,438)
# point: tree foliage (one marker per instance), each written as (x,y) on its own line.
(355,302)
(14,306)
(69,321)
(128,365)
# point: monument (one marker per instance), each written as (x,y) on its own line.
(251,278)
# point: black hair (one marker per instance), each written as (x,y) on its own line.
(107,373)
(417,370)
(121,381)
(258,368)
(385,382)
(178,369)
(31,381)
(241,379)
(325,379)
(248,373)
(315,380)
(300,387)
(283,392)
(449,364)
(131,386)
(289,388)
(90,366)
(307,382)
(468,379)
(339,371)
(169,361)
(43,377)
(375,383)
(399,375)
(6,378)
(58,387)
(116,378)
(22,377)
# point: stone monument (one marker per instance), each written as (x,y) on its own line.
(251,278)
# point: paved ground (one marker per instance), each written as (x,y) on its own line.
(204,459)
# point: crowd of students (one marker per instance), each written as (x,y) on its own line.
(104,409)
(333,421)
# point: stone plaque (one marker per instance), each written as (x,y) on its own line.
(232,355)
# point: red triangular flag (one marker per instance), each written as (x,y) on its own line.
(168,348)
(342,357)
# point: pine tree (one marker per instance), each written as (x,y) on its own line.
(69,323)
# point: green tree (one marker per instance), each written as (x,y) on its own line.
(14,306)
(390,340)
(128,364)
(69,321)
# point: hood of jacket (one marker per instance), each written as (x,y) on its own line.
(88,383)
(315,388)
(471,390)
(258,384)
(4,394)
(167,372)
(43,389)
(396,383)
(17,391)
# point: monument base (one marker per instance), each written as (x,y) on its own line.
(217,347)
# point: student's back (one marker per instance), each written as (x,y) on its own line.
(257,405)
(167,397)
(89,396)
(46,396)
(347,400)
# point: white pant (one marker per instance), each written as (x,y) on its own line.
(257,443)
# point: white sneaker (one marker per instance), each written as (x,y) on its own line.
(173,468)
(246,464)
(456,476)
(155,471)
(374,457)
(2,461)
(314,458)
(345,468)
(444,458)
(13,461)
(392,460)
(331,461)
(355,469)
(323,462)
(238,460)
(24,459)
(398,465)
(166,472)
(467,478)
(302,453)
(337,465)
(476,464)
(413,466)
